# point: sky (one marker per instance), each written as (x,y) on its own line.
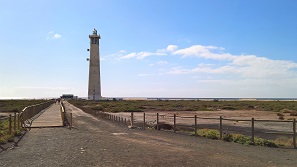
(150,48)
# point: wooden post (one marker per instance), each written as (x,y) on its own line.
(70,121)
(19,121)
(174,123)
(144,120)
(294,133)
(14,122)
(157,121)
(125,121)
(253,130)
(9,124)
(221,127)
(195,125)
(132,119)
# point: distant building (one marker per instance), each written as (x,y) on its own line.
(68,96)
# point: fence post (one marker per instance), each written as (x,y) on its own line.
(18,121)
(70,120)
(125,121)
(221,127)
(195,125)
(14,122)
(132,119)
(144,120)
(174,123)
(294,133)
(157,121)
(253,130)
(9,125)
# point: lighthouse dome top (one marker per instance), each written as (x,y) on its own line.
(94,35)
(94,32)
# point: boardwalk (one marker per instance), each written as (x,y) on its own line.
(50,118)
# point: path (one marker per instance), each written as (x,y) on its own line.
(97,142)
(50,118)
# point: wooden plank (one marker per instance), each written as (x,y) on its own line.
(51,117)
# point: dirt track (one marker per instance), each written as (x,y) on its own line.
(96,142)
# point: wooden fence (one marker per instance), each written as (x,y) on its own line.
(66,116)
(14,123)
(114,118)
(28,114)
(249,127)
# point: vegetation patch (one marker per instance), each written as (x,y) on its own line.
(17,105)
(4,132)
(236,138)
(185,105)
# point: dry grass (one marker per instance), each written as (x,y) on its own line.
(284,141)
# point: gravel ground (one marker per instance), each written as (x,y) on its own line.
(97,142)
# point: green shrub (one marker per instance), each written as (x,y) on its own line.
(242,139)
(236,138)
(228,137)
(264,142)
(209,133)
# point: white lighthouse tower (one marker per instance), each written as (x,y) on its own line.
(94,91)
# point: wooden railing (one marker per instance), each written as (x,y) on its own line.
(113,118)
(66,116)
(28,114)
(13,123)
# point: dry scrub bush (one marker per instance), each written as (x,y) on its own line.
(293,113)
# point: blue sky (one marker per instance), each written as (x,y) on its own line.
(150,48)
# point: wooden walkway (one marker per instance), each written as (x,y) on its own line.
(51,117)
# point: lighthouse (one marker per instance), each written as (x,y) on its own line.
(94,90)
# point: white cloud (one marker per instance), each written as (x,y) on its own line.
(206,52)
(144,75)
(52,35)
(245,66)
(171,48)
(227,75)
(162,62)
(142,55)
(56,36)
